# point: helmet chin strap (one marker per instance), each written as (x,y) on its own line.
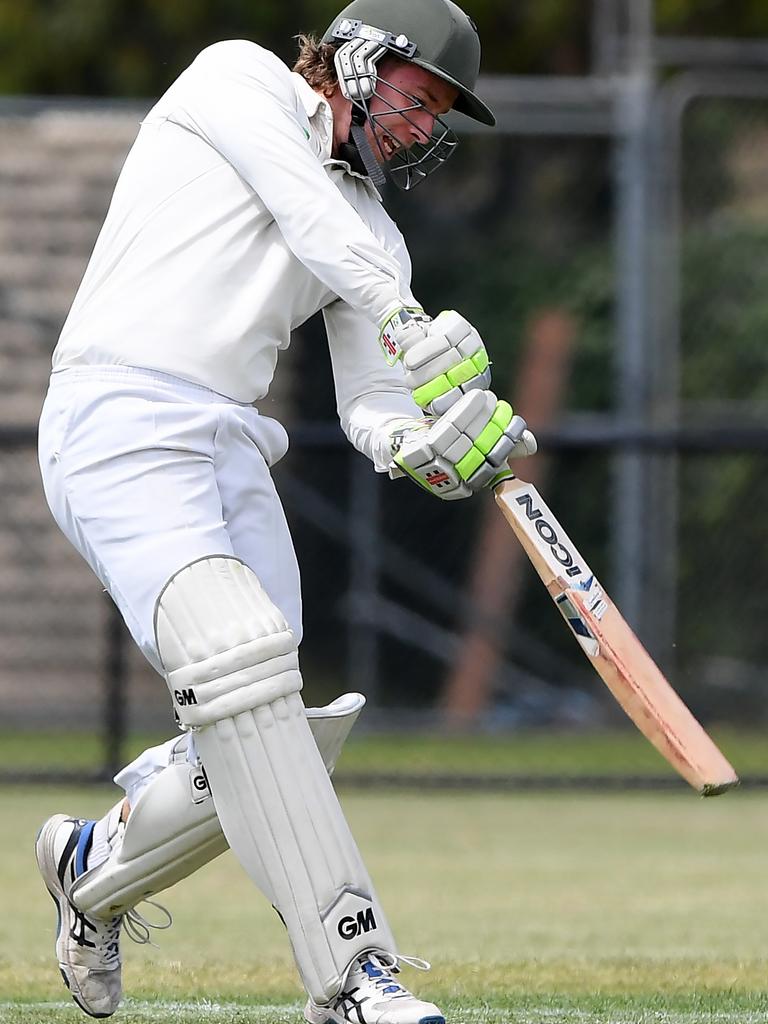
(363,147)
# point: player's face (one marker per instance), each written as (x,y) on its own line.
(402,84)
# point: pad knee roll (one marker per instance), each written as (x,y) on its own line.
(224,645)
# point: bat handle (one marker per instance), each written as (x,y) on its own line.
(502,477)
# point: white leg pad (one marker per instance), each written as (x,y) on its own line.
(168,836)
(173,829)
(232,669)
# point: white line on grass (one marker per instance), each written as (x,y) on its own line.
(167,1011)
(163,1010)
(290,1013)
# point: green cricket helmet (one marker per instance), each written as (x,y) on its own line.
(435,35)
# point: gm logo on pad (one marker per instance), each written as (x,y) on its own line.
(185,697)
(363,922)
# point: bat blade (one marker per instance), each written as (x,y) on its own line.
(615,652)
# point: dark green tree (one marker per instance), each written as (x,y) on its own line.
(136,47)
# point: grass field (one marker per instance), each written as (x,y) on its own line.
(580,909)
(533,752)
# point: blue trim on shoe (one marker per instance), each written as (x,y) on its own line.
(83,846)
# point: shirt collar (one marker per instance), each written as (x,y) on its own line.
(311,100)
(320,115)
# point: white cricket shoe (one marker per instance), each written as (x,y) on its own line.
(371,995)
(87,948)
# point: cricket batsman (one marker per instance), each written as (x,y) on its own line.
(248,203)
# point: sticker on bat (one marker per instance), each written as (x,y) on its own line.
(580,629)
(596,603)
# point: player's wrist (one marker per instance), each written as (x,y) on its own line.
(399,324)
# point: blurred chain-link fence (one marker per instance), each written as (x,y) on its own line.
(616,267)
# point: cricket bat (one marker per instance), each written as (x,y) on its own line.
(619,658)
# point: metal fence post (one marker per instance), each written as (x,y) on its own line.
(115,691)
(632,360)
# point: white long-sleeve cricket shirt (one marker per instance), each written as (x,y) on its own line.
(229,227)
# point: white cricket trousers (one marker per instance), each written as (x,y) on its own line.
(145,473)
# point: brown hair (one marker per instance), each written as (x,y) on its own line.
(315,63)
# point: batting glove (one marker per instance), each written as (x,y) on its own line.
(464,450)
(443,358)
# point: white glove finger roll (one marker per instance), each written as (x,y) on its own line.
(423,351)
(430,369)
(468,409)
(516,428)
(453,326)
(442,434)
(440,406)
(525,446)
(417,451)
(482,477)
(500,452)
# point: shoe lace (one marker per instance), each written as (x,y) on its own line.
(392,961)
(380,967)
(137,927)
